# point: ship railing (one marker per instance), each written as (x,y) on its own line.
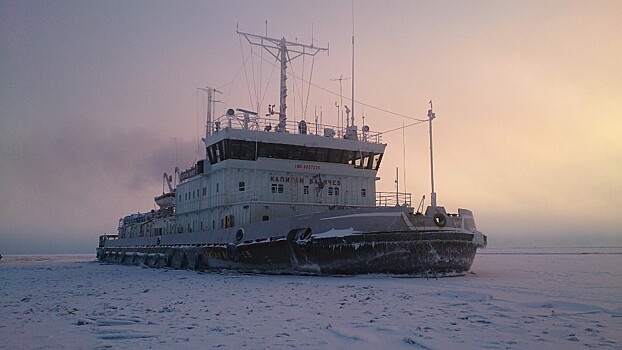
(393,199)
(106,237)
(250,121)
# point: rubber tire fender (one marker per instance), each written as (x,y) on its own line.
(233,253)
(440,220)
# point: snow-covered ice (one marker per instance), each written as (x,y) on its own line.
(513,299)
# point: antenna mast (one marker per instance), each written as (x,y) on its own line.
(340,113)
(431,117)
(211,102)
(280,49)
(397,186)
(352,62)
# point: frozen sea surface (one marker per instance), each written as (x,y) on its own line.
(550,298)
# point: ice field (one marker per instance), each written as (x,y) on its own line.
(552,298)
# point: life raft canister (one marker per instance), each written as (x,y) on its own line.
(440,220)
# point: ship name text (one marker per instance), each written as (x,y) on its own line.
(301,180)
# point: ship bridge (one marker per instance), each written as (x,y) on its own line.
(334,145)
(253,173)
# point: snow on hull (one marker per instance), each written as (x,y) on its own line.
(405,253)
(416,254)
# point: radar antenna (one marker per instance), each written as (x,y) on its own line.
(280,49)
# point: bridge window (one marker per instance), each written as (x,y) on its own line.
(321,155)
(218,152)
(235,146)
(280,151)
(241,186)
(366,162)
(348,157)
(296,152)
(308,153)
(265,150)
(334,155)
(377,159)
(210,155)
(244,150)
(251,150)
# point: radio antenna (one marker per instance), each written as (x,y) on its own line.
(352,62)
(431,117)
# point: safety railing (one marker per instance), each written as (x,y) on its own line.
(393,199)
(250,121)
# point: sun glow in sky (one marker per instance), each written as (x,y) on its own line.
(98,99)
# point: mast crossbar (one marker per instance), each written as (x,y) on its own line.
(280,49)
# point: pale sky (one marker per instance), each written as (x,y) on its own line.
(99,98)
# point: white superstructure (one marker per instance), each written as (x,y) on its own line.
(252,173)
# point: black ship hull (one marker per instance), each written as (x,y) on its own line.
(421,254)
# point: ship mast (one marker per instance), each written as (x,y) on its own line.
(353,63)
(280,49)
(431,117)
(211,101)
